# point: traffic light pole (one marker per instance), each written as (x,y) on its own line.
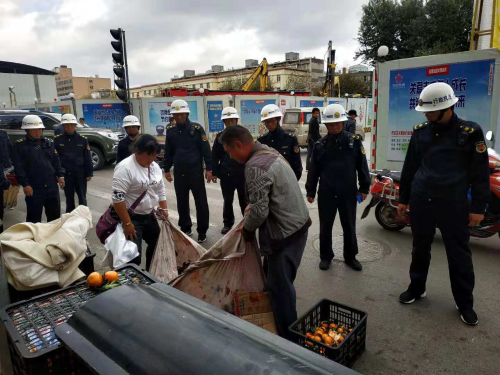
(126,71)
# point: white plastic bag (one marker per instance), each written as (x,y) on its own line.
(119,250)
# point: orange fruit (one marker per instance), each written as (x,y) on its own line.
(94,279)
(317,338)
(309,335)
(332,325)
(325,337)
(340,330)
(324,325)
(309,343)
(341,339)
(328,340)
(111,276)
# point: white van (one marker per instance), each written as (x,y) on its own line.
(297,120)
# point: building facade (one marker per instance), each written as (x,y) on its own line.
(82,87)
(22,84)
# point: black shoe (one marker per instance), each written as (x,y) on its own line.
(354,264)
(188,232)
(324,264)
(202,238)
(225,230)
(408,297)
(469,317)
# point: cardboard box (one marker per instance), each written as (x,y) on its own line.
(254,307)
(249,303)
(265,321)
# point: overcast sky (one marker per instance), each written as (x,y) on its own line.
(166,37)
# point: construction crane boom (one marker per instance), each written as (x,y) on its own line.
(262,73)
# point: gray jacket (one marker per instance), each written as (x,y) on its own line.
(277,207)
(350,126)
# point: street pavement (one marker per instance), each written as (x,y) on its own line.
(427,337)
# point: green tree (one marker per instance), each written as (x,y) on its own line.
(297,81)
(256,86)
(414,28)
(230,83)
(352,85)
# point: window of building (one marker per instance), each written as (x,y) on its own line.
(154,91)
(145,92)
(149,92)
(278,78)
(208,85)
(201,85)
(91,87)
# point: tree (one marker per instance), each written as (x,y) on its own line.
(256,86)
(414,28)
(230,83)
(353,85)
(297,81)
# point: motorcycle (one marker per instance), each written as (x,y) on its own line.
(385,195)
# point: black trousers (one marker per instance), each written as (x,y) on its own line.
(452,218)
(280,272)
(75,183)
(183,184)
(310,146)
(147,229)
(328,205)
(43,197)
(1,210)
(229,185)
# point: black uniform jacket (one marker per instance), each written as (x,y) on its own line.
(186,146)
(335,162)
(36,163)
(223,165)
(74,153)
(287,145)
(445,161)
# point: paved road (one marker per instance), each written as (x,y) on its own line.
(425,338)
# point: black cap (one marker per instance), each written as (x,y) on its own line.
(352,112)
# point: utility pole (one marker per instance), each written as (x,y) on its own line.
(331,70)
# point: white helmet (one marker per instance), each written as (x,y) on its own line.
(435,97)
(130,121)
(270,111)
(179,106)
(68,119)
(334,113)
(32,122)
(229,112)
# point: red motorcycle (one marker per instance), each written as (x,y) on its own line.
(385,196)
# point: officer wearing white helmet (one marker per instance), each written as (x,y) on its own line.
(285,143)
(132,126)
(446,157)
(338,162)
(74,153)
(229,171)
(186,148)
(38,170)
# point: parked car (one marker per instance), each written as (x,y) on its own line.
(296,120)
(103,143)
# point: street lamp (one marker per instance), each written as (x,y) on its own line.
(36,104)
(382,52)
(72,98)
(292,93)
(201,90)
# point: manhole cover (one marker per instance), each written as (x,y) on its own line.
(369,249)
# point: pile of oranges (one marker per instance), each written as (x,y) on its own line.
(330,334)
(96,280)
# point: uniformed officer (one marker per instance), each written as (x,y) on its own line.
(38,169)
(350,124)
(285,143)
(335,160)
(186,147)
(446,157)
(229,171)
(132,126)
(74,153)
(5,163)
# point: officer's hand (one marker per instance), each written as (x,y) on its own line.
(247,210)
(402,210)
(89,178)
(168,176)
(310,199)
(208,175)
(129,231)
(61,182)
(28,191)
(475,219)
(214,179)
(363,197)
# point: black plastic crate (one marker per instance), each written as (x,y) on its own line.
(328,311)
(30,324)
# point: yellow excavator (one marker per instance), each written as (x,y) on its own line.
(262,73)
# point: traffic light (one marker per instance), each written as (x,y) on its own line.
(121,68)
